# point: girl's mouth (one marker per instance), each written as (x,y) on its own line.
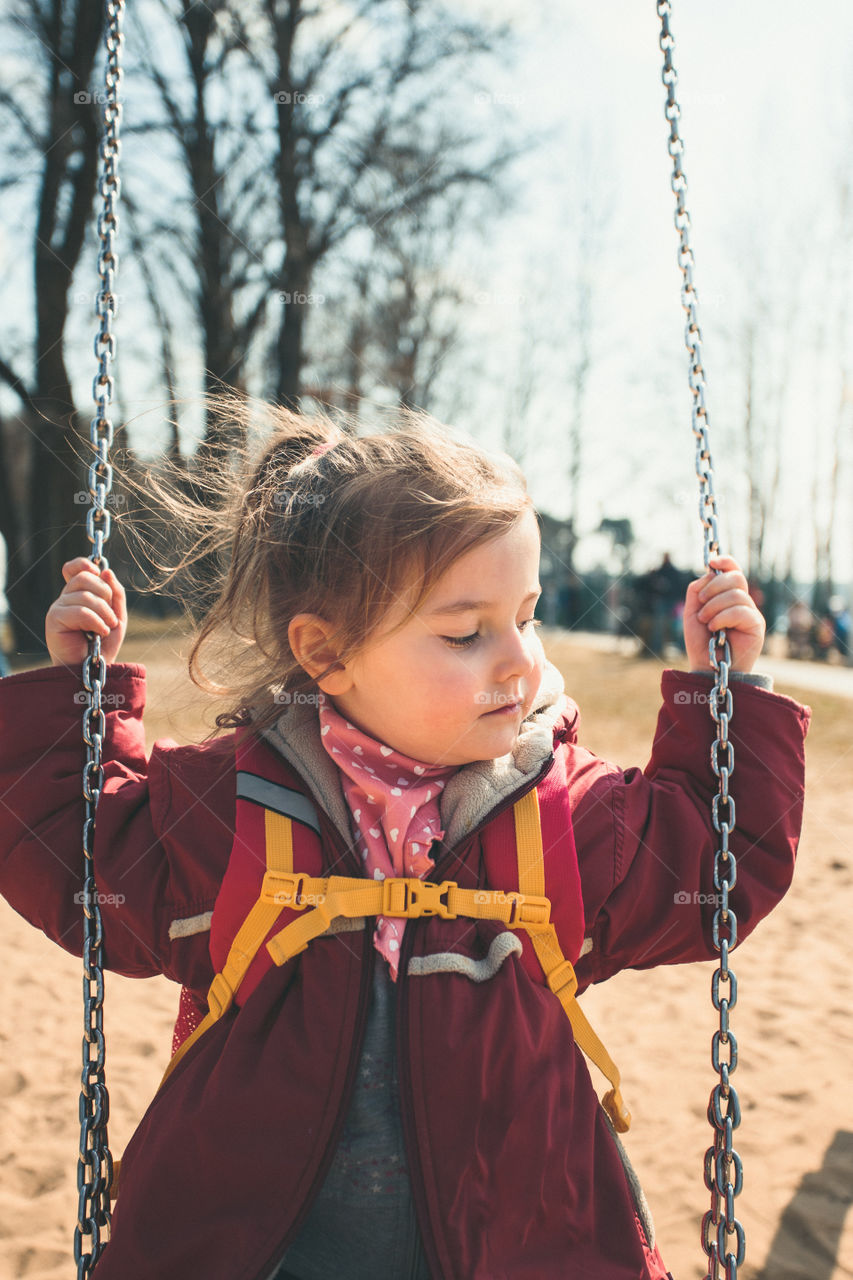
(507,709)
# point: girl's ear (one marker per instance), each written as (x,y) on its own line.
(310,639)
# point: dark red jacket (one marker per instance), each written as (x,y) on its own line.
(222,1169)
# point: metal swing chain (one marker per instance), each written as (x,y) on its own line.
(723,1237)
(95,1164)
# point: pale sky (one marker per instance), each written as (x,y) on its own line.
(768,127)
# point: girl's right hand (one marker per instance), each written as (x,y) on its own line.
(89,601)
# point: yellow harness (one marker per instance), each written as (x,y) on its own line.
(331,897)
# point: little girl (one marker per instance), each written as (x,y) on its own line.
(388,1086)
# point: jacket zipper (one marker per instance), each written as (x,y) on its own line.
(405,1086)
(404,1077)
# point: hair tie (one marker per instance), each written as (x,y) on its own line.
(322,448)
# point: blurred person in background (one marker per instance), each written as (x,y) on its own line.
(839,614)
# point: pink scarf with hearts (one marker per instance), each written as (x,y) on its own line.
(394,803)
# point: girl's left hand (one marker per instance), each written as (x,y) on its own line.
(722,600)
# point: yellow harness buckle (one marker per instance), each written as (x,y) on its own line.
(413,898)
(527,909)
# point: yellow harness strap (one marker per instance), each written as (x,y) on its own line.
(559,972)
(395,896)
(256,926)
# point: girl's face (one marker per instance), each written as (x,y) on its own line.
(454,683)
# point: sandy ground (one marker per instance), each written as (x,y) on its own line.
(793,1021)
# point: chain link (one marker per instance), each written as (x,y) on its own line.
(723,1238)
(95,1164)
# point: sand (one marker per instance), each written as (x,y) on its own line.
(793,1021)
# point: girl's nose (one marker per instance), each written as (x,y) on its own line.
(516,658)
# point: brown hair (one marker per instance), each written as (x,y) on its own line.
(345,533)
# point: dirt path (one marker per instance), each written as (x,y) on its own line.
(788,673)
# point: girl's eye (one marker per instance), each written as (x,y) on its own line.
(464,642)
(461,642)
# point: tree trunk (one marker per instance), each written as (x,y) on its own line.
(290,340)
(55,507)
(296,286)
(223,361)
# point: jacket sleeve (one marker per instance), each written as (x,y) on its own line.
(646,841)
(162,830)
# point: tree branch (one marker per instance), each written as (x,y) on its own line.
(17,384)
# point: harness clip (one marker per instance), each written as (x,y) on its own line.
(403,896)
(220,996)
(563,980)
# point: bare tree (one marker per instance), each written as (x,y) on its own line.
(831,341)
(212,247)
(162,321)
(765,340)
(363,135)
(406,307)
(762,444)
(349,153)
(520,394)
(51,121)
(588,230)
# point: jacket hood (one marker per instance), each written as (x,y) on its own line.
(470,794)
